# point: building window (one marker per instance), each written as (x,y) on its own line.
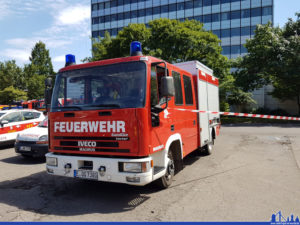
(164,9)
(120,2)
(101,6)
(215,17)
(178,88)
(245,13)
(149,12)
(235,32)
(235,15)
(107,5)
(207,18)
(156,10)
(188,90)
(95,20)
(113,3)
(225,1)
(245,31)
(113,17)
(120,16)
(127,15)
(199,18)
(235,50)
(225,33)
(255,12)
(133,14)
(180,6)
(225,16)
(267,11)
(188,5)
(94,7)
(226,50)
(206,2)
(215,2)
(243,49)
(141,12)
(172,7)
(197,3)
(107,18)
(217,32)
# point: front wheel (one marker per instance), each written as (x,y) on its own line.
(208,148)
(166,181)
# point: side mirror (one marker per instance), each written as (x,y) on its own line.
(167,86)
(48,82)
(48,96)
(3,122)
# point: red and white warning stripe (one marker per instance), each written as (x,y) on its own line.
(246,115)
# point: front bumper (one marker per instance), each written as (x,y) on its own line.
(36,150)
(68,166)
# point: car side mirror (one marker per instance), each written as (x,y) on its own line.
(3,122)
(167,86)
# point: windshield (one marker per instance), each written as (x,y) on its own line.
(113,86)
(1,114)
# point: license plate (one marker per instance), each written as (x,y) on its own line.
(25,148)
(86,174)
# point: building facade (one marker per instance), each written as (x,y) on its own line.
(233,21)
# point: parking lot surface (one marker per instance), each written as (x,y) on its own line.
(253,172)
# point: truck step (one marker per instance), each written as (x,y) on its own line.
(158,169)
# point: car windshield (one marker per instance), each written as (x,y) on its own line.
(119,85)
(44,123)
(1,114)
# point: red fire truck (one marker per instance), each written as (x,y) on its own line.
(130,120)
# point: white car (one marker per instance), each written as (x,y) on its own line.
(33,142)
(13,122)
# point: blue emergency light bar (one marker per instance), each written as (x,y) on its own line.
(70,60)
(135,48)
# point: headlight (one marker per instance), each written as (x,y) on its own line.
(136,167)
(43,138)
(51,161)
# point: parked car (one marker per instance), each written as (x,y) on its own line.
(33,142)
(13,121)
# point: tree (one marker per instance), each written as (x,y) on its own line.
(11,75)
(273,57)
(173,41)
(11,94)
(41,59)
(39,68)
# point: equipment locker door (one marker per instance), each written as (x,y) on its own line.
(203,106)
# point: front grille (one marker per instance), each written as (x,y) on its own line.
(96,150)
(92,138)
(27,142)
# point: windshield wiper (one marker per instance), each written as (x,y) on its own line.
(69,107)
(106,105)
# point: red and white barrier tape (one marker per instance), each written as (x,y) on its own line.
(246,115)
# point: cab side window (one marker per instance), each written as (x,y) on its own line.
(13,117)
(178,88)
(188,90)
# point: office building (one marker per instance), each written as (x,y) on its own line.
(233,21)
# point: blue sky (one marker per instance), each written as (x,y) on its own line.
(64,26)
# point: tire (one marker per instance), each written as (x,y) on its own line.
(207,150)
(166,180)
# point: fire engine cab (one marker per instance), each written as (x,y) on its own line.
(130,120)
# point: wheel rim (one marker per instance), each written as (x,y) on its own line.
(170,170)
